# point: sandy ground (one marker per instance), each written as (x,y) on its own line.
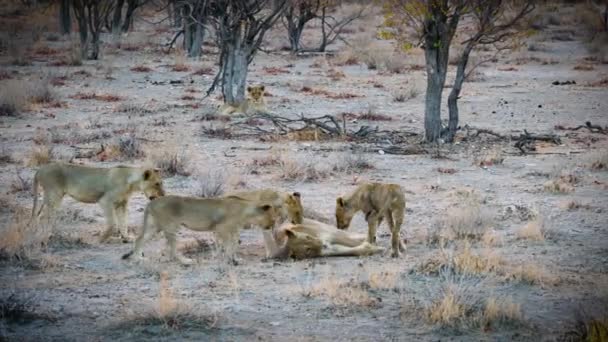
(82,290)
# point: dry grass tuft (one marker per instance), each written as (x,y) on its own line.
(598,160)
(467,220)
(352,162)
(141,68)
(20,183)
(500,311)
(490,158)
(575,205)
(171,162)
(533,230)
(97,97)
(405,95)
(383,279)
(530,274)
(22,241)
(340,293)
(40,155)
(584,67)
(302,168)
(16,96)
(563,184)
(449,309)
(169,313)
(210,183)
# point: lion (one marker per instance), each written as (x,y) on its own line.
(110,187)
(254,103)
(287,206)
(377,201)
(224,216)
(316,239)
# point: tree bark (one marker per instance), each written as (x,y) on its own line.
(195,48)
(323,44)
(234,78)
(455,93)
(128,23)
(65,20)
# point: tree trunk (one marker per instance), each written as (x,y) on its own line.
(434,88)
(128,23)
(116,19)
(195,48)
(234,77)
(323,33)
(65,21)
(455,93)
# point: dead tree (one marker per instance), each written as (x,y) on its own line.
(435,22)
(301,12)
(90,15)
(240,27)
(194,19)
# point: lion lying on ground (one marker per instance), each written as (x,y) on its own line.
(254,103)
(110,187)
(224,216)
(316,239)
(377,201)
(287,206)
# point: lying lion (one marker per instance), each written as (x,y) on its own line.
(377,201)
(316,239)
(224,216)
(254,103)
(110,187)
(287,206)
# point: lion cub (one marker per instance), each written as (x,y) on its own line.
(254,103)
(316,239)
(377,201)
(110,187)
(224,216)
(287,206)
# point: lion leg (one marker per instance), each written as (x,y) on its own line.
(270,245)
(50,203)
(372,226)
(121,220)
(110,214)
(229,241)
(398,216)
(170,235)
(394,234)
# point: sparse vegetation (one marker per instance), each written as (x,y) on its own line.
(40,155)
(170,162)
(340,293)
(303,169)
(210,183)
(467,220)
(533,230)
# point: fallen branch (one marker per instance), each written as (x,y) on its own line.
(522,142)
(588,125)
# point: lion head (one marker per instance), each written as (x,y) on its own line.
(301,245)
(294,208)
(152,184)
(344,213)
(256,93)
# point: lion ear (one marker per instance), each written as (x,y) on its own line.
(262,88)
(147,174)
(248,88)
(290,233)
(340,201)
(296,194)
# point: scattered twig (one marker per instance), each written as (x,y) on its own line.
(588,125)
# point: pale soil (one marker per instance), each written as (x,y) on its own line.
(89,290)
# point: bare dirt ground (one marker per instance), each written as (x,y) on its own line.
(538,244)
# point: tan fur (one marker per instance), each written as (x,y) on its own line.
(110,187)
(224,216)
(316,239)
(377,201)
(254,103)
(307,134)
(287,206)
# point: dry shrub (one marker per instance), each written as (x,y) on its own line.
(171,162)
(598,160)
(203,71)
(20,183)
(97,97)
(530,274)
(210,183)
(575,205)
(371,116)
(302,168)
(468,220)
(17,95)
(490,157)
(351,162)
(500,311)
(491,238)
(135,108)
(40,155)
(451,309)
(468,262)
(169,313)
(383,279)
(340,293)
(129,147)
(584,67)
(23,241)
(533,230)
(405,95)
(272,159)
(141,68)
(563,184)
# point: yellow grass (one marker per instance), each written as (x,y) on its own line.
(40,155)
(447,310)
(339,293)
(533,230)
(498,311)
